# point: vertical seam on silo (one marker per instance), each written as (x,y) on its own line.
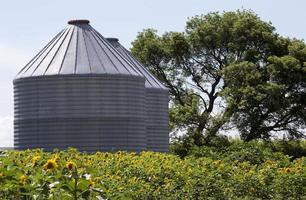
(69,42)
(57,50)
(76,50)
(86,50)
(48,51)
(37,117)
(90,40)
(33,60)
(127,121)
(94,34)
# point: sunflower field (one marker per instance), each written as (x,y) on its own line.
(35,174)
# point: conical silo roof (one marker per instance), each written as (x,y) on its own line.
(78,49)
(150,80)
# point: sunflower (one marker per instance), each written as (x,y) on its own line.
(287,170)
(56,157)
(70,165)
(298,169)
(252,190)
(50,164)
(91,183)
(23,179)
(34,160)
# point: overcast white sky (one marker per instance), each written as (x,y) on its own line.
(26,26)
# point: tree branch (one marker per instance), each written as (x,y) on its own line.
(173,89)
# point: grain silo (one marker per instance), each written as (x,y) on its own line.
(156,104)
(78,91)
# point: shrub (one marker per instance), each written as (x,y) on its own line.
(293,148)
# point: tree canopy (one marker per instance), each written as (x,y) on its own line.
(229,70)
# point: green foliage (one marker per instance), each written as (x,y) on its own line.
(243,171)
(270,96)
(295,149)
(253,151)
(229,68)
(185,116)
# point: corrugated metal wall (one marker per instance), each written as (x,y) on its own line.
(156,103)
(89,112)
(157,119)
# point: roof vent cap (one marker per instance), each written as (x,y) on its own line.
(78,21)
(113,39)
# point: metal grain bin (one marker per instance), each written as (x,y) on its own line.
(156,103)
(78,91)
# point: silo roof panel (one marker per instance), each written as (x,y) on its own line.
(57,60)
(151,81)
(82,59)
(49,56)
(69,59)
(78,49)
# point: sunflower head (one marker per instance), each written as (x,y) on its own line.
(50,164)
(91,183)
(298,169)
(287,170)
(70,165)
(34,160)
(23,179)
(56,157)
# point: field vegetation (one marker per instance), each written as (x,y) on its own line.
(237,170)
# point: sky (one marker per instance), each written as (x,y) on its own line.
(26,26)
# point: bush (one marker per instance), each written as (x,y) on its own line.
(293,148)
(184,146)
(240,149)
(252,152)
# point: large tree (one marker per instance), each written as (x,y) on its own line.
(269,97)
(209,67)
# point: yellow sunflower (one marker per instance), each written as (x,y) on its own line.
(70,165)
(34,160)
(287,170)
(23,179)
(50,164)
(91,183)
(56,157)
